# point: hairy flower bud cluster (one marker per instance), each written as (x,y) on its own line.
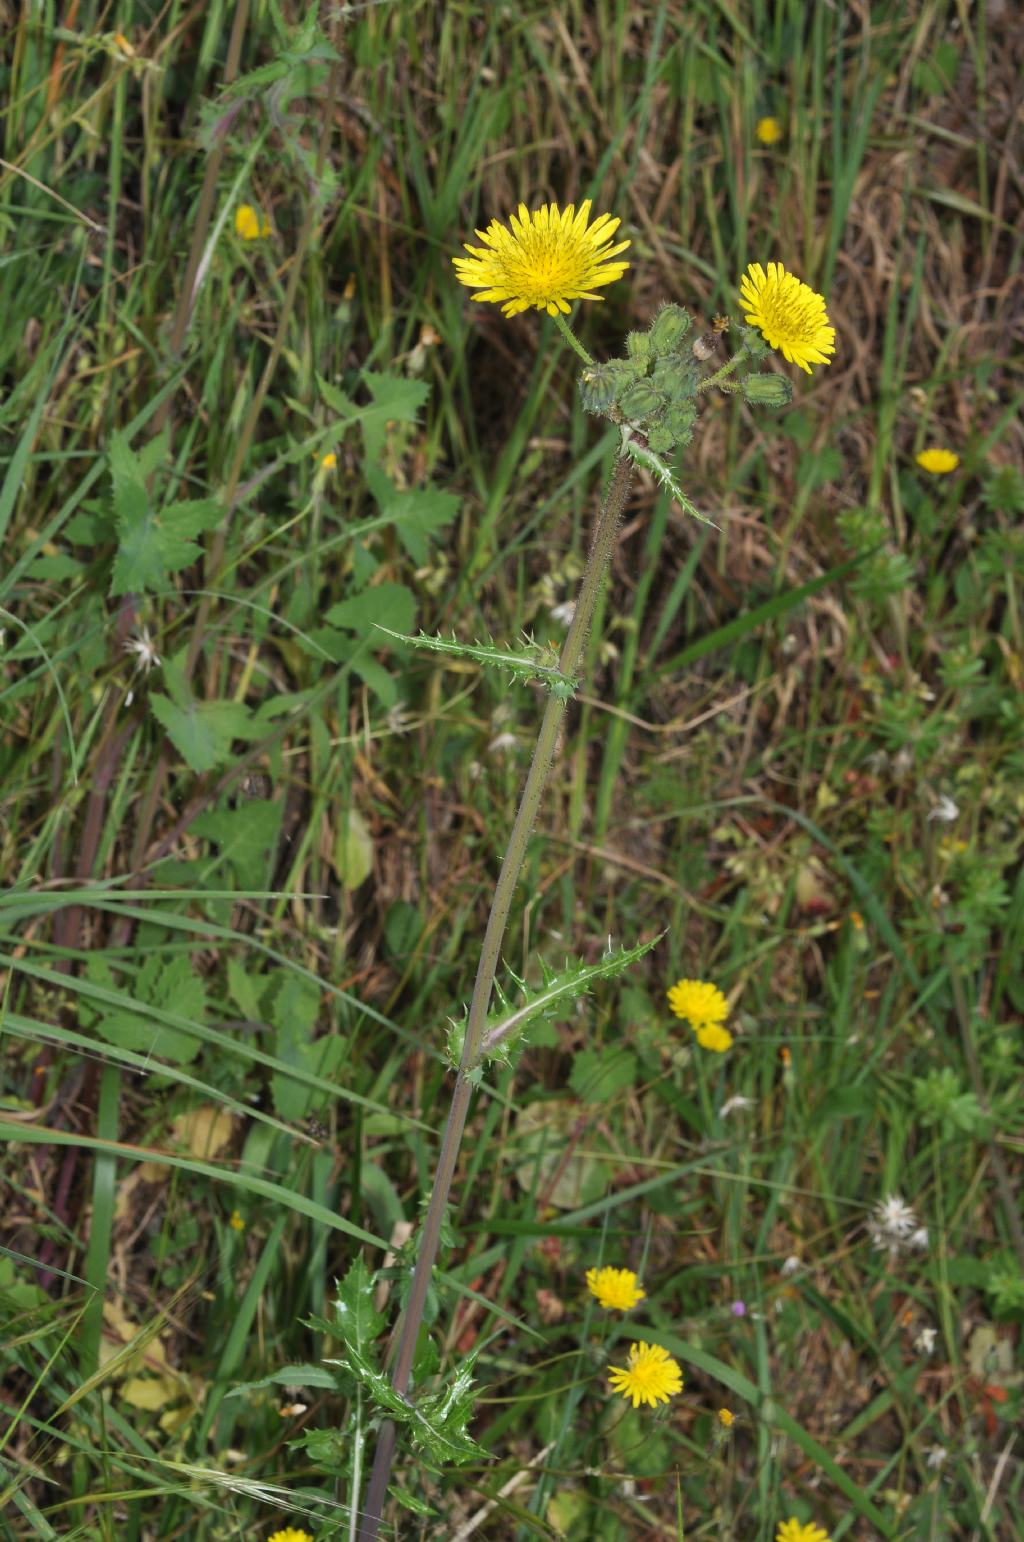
(654,388)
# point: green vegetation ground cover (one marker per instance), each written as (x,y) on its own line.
(244,886)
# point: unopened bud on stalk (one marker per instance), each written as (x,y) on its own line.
(768,390)
(638,345)
(670,327)
(640,401)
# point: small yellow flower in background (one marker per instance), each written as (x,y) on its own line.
(768,131)
(698,1003)
(793,1531)
(714,1037)
(236,1222)
(788,314)
(616,1289)
(547,259)
(937,461)
(328,461)
(289,1534)
(652,1376)
(726,1417)
(249,224)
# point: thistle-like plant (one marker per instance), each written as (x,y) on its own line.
(544,260)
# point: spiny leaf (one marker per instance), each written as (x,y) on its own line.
(524,662)
(647,458)
(503,1027)
(437,1422)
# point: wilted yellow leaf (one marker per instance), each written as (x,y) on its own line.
(205,1130)
(151,1392)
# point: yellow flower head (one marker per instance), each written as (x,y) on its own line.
(237,1223)
(652,1376)
(698,1003)
(616,1289)
(289,1534)
(788,314)
(937,461)
(713,1036)
(768,131)
(547,259)
(328,461)
(250,225)
(793,1531)
(726,1417)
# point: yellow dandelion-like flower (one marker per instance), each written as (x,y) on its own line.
(713,1036)
(290,1534)
(250,225)
(547,259)
(788,314)
(937,461)
(768,131)
(793,1531)
(616,1289)
(726,1417)
(698,1003)
(652,1376)
(328,461)
(237,1222)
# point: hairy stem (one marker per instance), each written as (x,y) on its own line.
(547,739)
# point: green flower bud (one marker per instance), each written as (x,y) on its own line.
(661,440)
(679,419)
(676,377)
(640,401)
(768,390)
(638,345)
(754,343)
(602,385)
(598,388)
(669,328)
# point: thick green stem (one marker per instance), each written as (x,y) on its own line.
(543,754)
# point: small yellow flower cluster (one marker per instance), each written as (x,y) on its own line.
(939,462)
(290,1534)
(705,1009)
(793,1531)
(616,1289)
(768,131)
(651,1375)
(545,258)
(250,225)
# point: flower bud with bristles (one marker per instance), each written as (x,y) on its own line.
(670,327)
(638,345)
(768,390)
(640,401)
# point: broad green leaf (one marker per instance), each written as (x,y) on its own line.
(353,850)
(159,983)
(356,1320)
(202,732)
(289,1376)
(395,400)
(245,836)
(384,605)
(152,543)
(597,1075)
(416,513)
(294,1011)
